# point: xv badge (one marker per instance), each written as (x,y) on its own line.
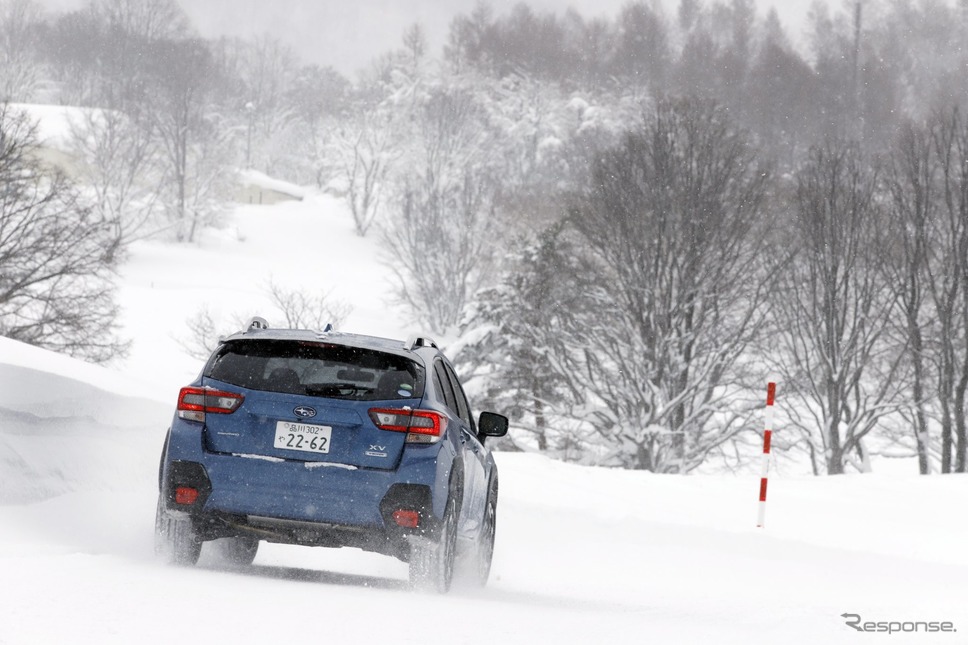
(376,451)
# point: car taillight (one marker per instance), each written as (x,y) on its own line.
(195,402)
(421,426)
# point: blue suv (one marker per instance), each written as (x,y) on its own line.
(330,439)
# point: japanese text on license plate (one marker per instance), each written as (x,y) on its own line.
(303,436)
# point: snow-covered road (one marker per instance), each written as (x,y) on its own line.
(583,554)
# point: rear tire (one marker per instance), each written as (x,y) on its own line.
(474,563)
(175,539)
(237,551)
(484,551)
(432,563)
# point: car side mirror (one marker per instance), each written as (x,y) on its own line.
(491,424)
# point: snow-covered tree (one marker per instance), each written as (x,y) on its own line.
(515,334)
(445,208)
(670,220)
(834,350)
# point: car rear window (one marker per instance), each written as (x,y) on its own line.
(316,369)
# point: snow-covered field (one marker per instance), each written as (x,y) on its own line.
(583,554)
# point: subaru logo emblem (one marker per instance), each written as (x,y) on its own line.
(304,411)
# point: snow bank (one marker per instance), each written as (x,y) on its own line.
(66,425)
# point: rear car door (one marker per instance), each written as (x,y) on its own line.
(472,450)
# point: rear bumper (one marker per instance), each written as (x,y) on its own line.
(391,540)
(302,502)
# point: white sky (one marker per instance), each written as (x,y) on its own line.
(348,34)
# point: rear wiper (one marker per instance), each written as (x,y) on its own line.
(335,389)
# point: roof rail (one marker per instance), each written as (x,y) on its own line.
(417,340)
(255,322)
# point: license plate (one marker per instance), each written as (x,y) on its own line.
(303,436)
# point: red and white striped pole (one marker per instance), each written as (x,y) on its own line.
(767,437)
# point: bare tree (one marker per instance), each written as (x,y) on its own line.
(116,40)
(299,309)
(949,286)
(465,41)
(642,48)
(670,219)
(302,310)
(147,19)
(55,280)
(267,70)
(203,334)
(119,167)
(319,96)
(196,145)
(19,67)
(841,366)
(414,47)
(911,182)
(364,151)
(209,180)
(442,235)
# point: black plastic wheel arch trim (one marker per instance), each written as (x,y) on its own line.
(188,474)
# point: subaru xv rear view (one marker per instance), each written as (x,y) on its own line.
(330,439)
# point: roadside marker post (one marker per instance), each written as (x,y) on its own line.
(767,438)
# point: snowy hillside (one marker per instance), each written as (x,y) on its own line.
(582,554)
(303,246)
